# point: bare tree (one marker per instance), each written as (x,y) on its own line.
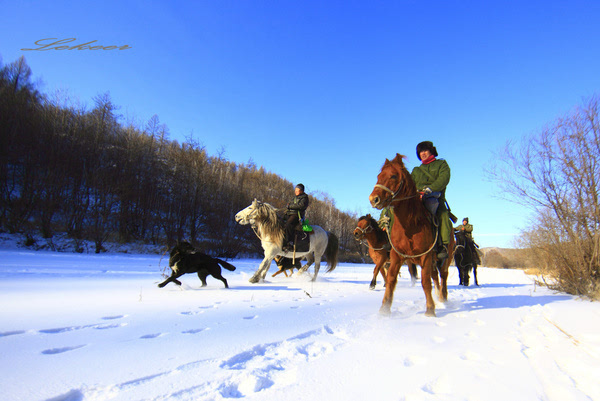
(556,173)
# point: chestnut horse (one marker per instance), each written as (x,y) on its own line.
(413,237)
(367,229)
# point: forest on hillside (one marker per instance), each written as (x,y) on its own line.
(67,169)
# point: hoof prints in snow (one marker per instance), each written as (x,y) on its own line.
(113,317)
(149,336)
(11,333)
(53,351)
(264,365)
(89,326)
(193,331)
(256,369)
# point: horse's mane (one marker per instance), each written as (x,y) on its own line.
(414,207)
(270,225)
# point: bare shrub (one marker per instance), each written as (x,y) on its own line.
(556,173)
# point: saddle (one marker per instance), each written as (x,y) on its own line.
(302,233)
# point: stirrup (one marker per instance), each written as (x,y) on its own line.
(443,253)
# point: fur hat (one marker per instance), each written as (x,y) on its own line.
(466,219)
(426,145)
(301,186)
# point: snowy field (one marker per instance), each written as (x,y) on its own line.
(96,327)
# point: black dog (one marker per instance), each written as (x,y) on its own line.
(185,259)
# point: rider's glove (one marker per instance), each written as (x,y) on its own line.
(427,191)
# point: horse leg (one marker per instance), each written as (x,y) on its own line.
(376,270)
(426,277)
(475,275)
(317,267)
(443,272)
(390,284)
(374,279)
(264,265)
(384,271)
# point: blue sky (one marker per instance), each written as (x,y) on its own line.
(322,92)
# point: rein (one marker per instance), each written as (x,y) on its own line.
(412,256)
(395,194)
(366,243)
(394,199)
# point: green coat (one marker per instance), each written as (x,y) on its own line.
(435,175)
(468,229)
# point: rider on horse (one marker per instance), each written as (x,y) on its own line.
(431,179)
(295,212)
(467,229)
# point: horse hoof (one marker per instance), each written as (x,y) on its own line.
(430,312)
(254,280)
(385,311)
(371,287)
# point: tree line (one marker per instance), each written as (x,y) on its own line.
(81,172)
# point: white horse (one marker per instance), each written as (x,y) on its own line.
(269,229)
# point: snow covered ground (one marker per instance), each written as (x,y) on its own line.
(96,327)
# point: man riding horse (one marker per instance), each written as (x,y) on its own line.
(431,179)
(295,212)
(467,229)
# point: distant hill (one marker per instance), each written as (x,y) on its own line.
(506,258)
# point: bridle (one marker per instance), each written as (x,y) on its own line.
(396,199)
(395,194)
(364,231)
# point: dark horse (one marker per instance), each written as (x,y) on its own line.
(464,259)
(368,230)
(185,259)
(413,236)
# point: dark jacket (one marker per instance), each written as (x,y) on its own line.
(299,204)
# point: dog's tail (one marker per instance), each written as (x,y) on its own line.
(226,265)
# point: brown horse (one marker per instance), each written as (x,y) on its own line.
(368,230)
(413,236)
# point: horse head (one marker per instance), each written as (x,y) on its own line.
(393,181)
(363,227)
(461,238)
(247,215)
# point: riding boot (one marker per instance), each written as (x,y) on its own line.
(442,252)
(288,246)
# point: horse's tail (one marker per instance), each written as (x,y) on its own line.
(226,265)
(331,252)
